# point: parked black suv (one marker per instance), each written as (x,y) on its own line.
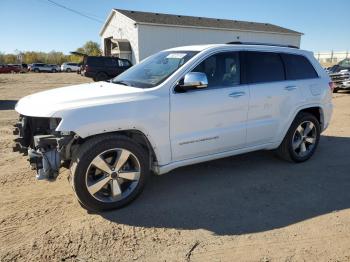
(101,68)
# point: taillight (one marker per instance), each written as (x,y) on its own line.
(331,86)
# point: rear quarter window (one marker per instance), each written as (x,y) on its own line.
(123,63)
(262,67)
(298,67)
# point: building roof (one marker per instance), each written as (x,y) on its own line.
(193,21)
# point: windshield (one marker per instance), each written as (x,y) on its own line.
(154,70)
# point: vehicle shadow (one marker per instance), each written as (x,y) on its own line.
(7,104)
(243,194)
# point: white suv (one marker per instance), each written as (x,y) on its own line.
(70,67)
(178,107)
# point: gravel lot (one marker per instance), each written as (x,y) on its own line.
(252,207)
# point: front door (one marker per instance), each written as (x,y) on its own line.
(212,119)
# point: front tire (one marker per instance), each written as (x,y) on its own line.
(301,140)
(109,172)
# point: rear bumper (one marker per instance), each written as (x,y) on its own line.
(327,115)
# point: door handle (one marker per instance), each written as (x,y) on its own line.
(290,88)
(236,94)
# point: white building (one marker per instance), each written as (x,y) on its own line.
(135,35)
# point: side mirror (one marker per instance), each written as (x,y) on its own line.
(193,80)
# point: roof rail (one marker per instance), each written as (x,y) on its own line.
(252,43)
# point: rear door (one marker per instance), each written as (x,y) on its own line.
(301,74)
(272,97)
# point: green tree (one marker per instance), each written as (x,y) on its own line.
(53,57)
(90,48)
(10,59)
(2,57)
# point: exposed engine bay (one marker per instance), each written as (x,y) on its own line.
(45,147)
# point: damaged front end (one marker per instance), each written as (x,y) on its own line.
(45,147)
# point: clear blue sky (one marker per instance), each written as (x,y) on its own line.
(40,26)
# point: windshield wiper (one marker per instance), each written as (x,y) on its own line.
(121,82)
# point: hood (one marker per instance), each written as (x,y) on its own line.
(51,102)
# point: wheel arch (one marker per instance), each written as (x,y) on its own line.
(138,136)
(101,72)
(315,110)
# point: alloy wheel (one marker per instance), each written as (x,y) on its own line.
(113,175)
(304,139)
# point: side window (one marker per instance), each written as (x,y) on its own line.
(221,69)
(123,62)
(298,67)
(261,67)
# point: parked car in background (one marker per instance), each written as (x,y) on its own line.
(101,68)
(341,80)
(340,75)
(179,107)
(70,67)
(41,67)
(22,67)
(342,65)
(9,69)
(55,68)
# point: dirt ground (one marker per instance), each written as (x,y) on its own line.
(252,207)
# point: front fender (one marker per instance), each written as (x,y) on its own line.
(147,116)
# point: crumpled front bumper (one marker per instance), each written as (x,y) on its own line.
(45,151)
(22,140)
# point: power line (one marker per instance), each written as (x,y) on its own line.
(75,11)
(88,16)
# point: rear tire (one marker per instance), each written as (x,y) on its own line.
(36,70)
(101,76)
(301,140)
(68,70)
(130,176)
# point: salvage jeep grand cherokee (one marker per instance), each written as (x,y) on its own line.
(178,107)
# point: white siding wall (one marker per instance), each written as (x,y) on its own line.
(146,40)
(122,27)
(155,38)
